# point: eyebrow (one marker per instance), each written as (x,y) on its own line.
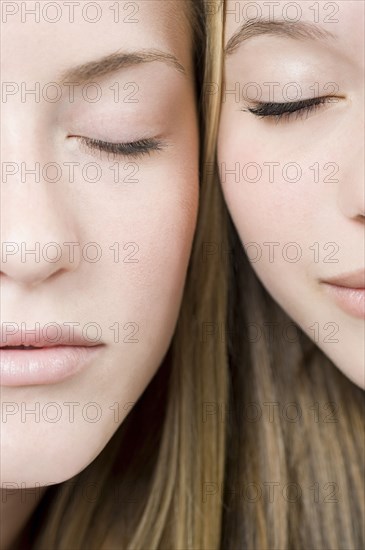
(297,30)
(114,62)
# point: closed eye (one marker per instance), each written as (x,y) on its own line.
(133,149)
(285,111)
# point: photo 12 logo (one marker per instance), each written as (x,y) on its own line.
(69,11)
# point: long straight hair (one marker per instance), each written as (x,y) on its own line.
(145,489)
(294,476)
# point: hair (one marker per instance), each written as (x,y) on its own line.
(149,477)
(315,465)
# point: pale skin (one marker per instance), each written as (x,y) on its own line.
(155,209)
(309,213)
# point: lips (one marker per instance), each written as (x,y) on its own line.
(28,358)
(18,347)
(36,338)
(355,280)
(348,291)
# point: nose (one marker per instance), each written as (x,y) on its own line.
(37,238)
(352,202)
(38,215)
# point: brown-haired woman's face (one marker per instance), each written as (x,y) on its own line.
(291,158)
(98,204)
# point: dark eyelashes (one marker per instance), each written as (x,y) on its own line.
(280,111)
(134,149)
(142,147)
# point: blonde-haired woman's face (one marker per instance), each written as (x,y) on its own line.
(95,243)
(294,181)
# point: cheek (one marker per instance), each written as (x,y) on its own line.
(272,204)
(146,231)
(264,200)
(147,228)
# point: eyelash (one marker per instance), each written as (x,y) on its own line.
(133,149)
(285,111)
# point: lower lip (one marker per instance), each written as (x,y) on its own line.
(351,300)
(44,365)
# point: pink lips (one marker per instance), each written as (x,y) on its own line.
(43,362)
(349,292)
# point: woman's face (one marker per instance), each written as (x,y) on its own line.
(110,230)
(295,184)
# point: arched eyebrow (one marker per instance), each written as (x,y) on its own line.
(296,30)
(116,61)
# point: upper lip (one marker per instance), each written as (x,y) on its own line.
(355,280)
(25,337)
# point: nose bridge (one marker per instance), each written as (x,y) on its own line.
(35,219)
(25,129)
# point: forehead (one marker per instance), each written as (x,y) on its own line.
(37,37)
(344,19)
